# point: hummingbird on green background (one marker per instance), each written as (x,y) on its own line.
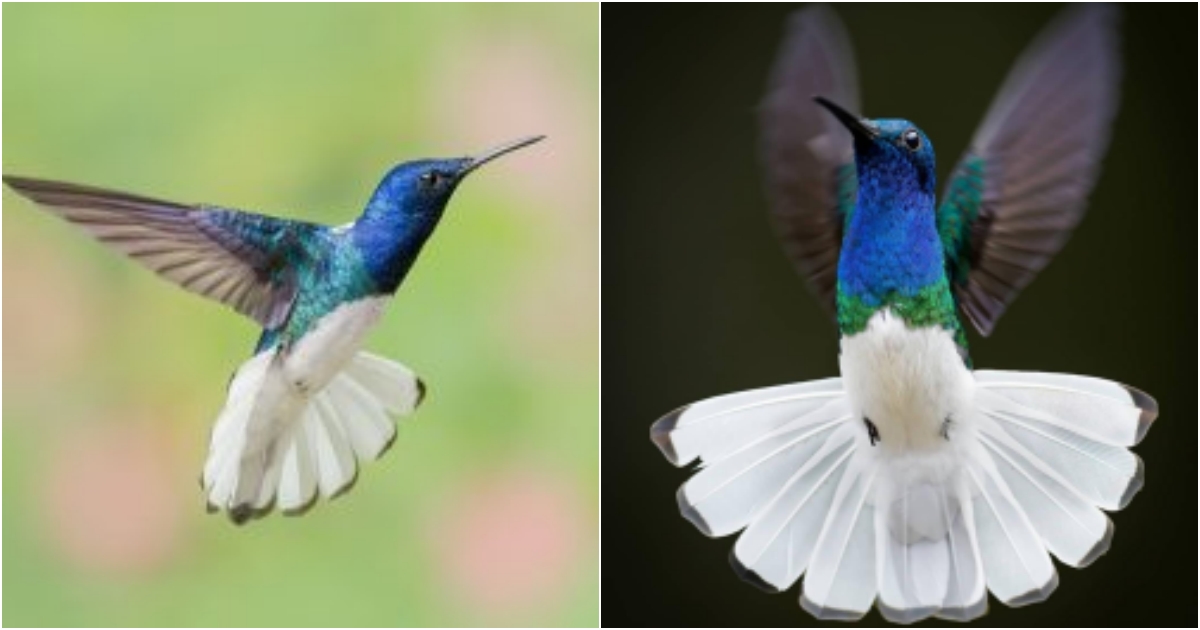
(914,480)
(310,406)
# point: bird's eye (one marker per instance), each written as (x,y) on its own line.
(431,179)
(912,139)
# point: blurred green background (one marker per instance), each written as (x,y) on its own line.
(485,511)
(701,301)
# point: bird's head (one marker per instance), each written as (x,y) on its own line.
(407,206)
(892,155)
(422,188)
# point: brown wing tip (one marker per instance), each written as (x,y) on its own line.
(981,316)
(58,192)
(24,186)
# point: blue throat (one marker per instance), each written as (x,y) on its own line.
(390,240)
(401,215)
(397,221)
(891,246)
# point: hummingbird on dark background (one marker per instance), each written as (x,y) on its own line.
(309,406)
(914,480)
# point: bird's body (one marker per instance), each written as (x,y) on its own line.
(914,480)
(334,275)
(309,405)
(909,381)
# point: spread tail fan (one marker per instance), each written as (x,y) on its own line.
(927,533)
(275,445)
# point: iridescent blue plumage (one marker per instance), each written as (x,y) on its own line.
(891,253)
(891,243)
(402,213)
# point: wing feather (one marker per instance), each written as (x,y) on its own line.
(1022,186)
(246,261)
(808,156)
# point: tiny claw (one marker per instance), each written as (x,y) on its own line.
(872,432)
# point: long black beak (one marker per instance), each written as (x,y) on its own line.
(493,153)
(860,127)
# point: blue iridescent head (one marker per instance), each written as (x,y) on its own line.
(407,206)
(422,188)
(889,150)
(891,245)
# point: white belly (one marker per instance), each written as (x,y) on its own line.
(319,355)
(907,382)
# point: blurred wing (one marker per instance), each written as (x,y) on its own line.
(1022,186)
(808,155)
(243,260)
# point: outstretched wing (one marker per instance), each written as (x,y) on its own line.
(246,261)
(808,155)
(1022,186)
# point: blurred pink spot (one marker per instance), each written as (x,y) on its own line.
(48,327)
(502,84)
(508,542)
(110,498)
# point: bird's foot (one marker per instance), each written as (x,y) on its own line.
(872,432)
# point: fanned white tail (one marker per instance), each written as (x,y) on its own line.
(1025,469)
(278,444)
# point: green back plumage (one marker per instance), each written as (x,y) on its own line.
(957,214)
(336,266)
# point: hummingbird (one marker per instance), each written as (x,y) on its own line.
(310,405)
(914,481)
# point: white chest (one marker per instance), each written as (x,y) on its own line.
(318,356)
(906,381)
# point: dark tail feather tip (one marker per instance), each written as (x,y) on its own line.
(748,575)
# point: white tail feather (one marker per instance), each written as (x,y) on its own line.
(966,591)
(841,582)
(727,493)
(1015,563)
(275,444)
(1105,474)
(717,426)
(1074,529)
(297,477)
(778,544)
(1024,473)
(1100,410)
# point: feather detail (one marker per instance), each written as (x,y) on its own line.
(920,530)
(246,261)
(808,156)
(276,445)
(1022,186)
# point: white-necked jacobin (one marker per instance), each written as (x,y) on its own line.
(914,480)
(309,406)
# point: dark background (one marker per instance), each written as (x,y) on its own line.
(699,300)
